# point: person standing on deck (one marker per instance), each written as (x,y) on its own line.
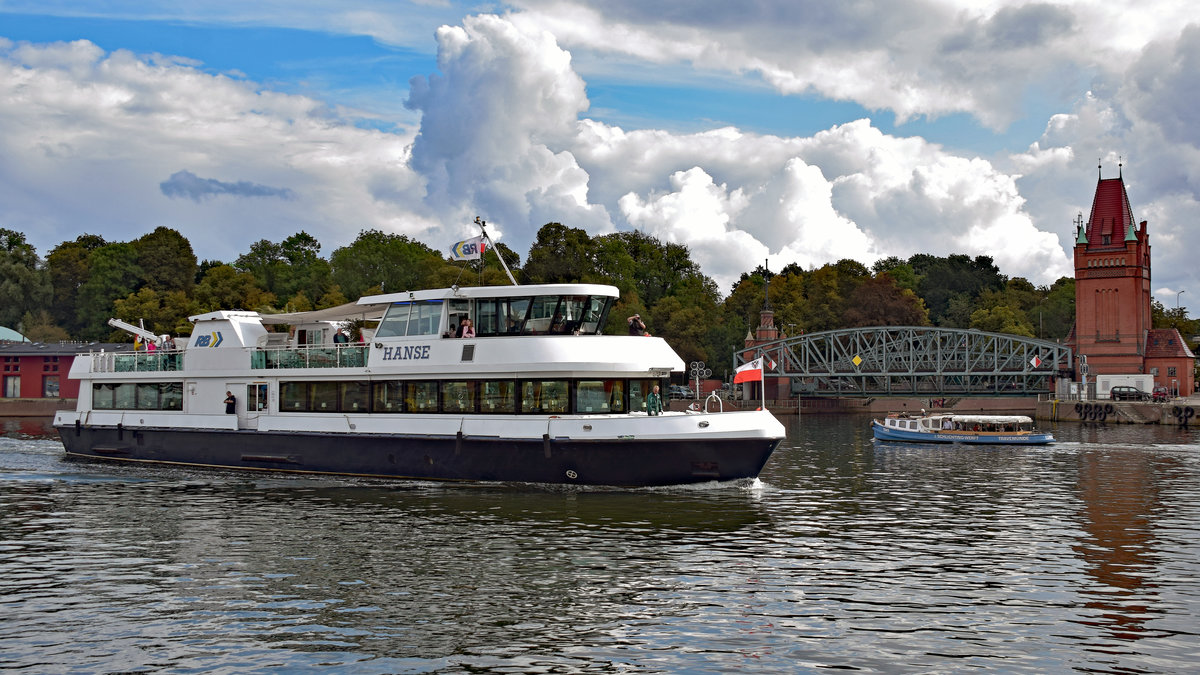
(654,402)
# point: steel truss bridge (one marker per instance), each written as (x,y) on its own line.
(914,361)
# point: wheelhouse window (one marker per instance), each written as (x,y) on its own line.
(540,315)
(411,319)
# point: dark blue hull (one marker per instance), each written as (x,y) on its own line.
(622,462)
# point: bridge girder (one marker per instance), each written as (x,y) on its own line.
(915,361)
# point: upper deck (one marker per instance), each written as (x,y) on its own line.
(414,333)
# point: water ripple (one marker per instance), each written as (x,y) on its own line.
(847,554)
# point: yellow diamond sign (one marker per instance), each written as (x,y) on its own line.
(857,360)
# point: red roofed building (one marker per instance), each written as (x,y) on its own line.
(1112,297)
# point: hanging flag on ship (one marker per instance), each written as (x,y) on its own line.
(468,249)
(753,370)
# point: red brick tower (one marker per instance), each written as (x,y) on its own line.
(1112,296)
(1112,283)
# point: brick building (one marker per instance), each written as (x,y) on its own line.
(33,370)
(1113,326)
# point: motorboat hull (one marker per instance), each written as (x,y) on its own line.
(885,433)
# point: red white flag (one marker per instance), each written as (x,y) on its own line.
(1035,361)
(749,372)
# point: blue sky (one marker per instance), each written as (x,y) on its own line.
(791,131)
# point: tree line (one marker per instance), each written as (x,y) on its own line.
(157,279)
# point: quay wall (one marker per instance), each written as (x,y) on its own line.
(1177,411)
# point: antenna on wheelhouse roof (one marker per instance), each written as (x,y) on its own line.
(492,245)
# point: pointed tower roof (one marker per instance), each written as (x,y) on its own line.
(1111,214)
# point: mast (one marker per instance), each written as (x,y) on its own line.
(483,232)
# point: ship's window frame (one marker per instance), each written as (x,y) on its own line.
(599,396)
(387,396)
(421,396)
(459,396)
(293,396)
(498,397)
(545,396)
(351,392)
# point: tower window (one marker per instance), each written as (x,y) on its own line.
(1106,239)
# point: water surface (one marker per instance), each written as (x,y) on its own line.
(1084,555)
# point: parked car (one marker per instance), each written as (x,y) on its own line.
(1128,394)
(679,391)
(1161,394)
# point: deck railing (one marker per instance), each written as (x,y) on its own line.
(137,362)
(336,356)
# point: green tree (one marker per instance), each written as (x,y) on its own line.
(1055,313)
(24,283)
(166,260)
(39,326)
(307,271)
(684,327)
(824,300)
(941,279)
(113,273)
(881,302)
(1176,317)
(559,254)
(160,313)
(69,267)
(1002,319)
(900,271)
(223,287)
(393,262)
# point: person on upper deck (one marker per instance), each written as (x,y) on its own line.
(636,325)
(466,329)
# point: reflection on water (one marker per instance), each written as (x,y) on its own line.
(849,553)
(27,427)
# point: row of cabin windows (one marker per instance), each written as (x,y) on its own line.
(542,314)
(467,396)
(137,396)
(410,396)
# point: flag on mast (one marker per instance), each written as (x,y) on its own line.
(468,249)
(753,370)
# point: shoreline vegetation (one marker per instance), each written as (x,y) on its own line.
(156,279)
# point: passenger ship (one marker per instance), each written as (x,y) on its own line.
(538,395)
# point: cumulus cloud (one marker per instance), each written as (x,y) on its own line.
(494,122)
(915,58)
(187,185)
(505,134)
(100,130)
